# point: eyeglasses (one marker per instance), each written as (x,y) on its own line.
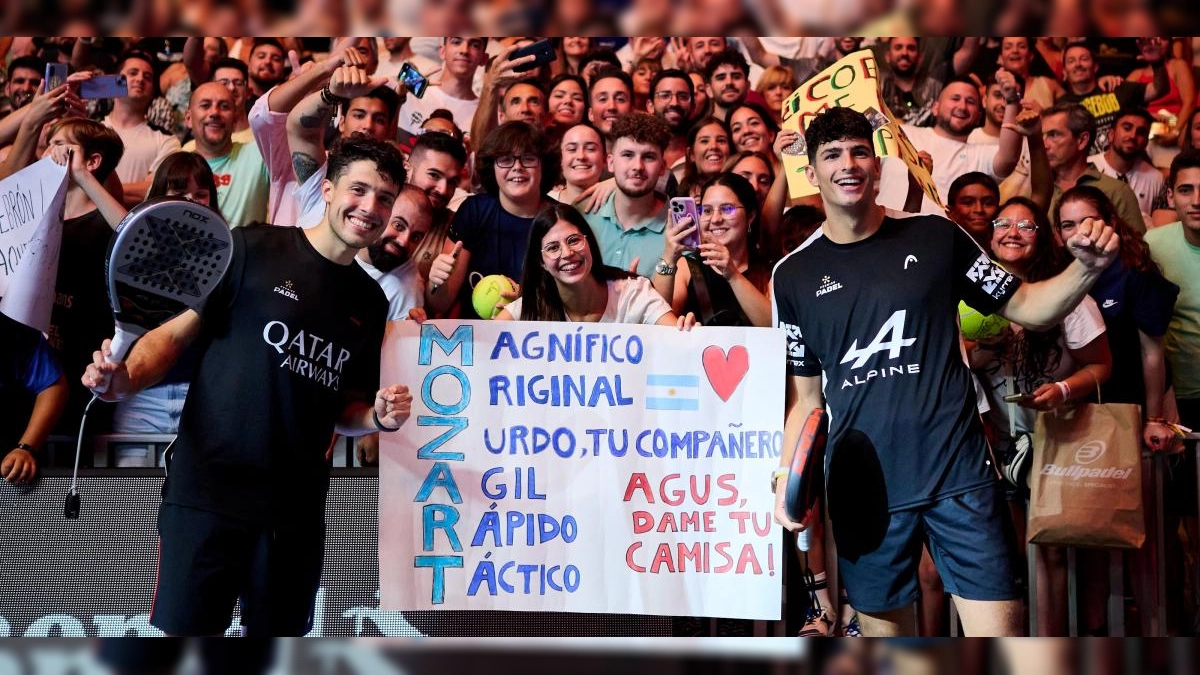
(1007,224)
(227,83)
(575,242)
(527,160)
(727,210)
(666,96)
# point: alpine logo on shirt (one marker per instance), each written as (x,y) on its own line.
(990,277)
(307,354)
(889,339)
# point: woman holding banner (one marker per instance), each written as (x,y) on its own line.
(566,280)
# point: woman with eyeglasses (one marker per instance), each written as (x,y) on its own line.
(724,281)
(517,166)
(565,279)
(1051,369)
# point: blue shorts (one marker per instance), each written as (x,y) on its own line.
(207,562)
(970,538)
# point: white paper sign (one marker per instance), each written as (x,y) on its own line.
(31,203)
(583,468)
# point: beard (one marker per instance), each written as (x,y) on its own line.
(383,260)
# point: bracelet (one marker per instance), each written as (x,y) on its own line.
(776,475)
(329,98)
(26,447)
(379,425)
(1064,388)
(664,268)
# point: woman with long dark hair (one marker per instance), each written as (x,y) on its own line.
(724,281)
(566,280)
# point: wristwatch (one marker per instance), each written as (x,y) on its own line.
(26,447)
(664,268)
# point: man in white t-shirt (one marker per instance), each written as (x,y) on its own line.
(1125,158)
(145,147)
(956,113)
(461,57)
(390,261)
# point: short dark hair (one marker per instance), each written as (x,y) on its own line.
(356,148)
(259,41)
(1186,159)
(437,141)
(1134,111)
(967,180)
(512,138)
(139,55)
(227,62)
(672,74)
(1078,45)
(610,73)
(28,63)
(642,127)
(604,54)
(836,124)
(391,100)
(729,57)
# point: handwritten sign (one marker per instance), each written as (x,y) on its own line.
(31,203)
(852,82)
(582,468)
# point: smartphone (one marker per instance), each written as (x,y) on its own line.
(543,50)
(56,75)
(413,80)
(1019,399)
(104,86)
(686,206)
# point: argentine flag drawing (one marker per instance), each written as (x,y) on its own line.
(672,392)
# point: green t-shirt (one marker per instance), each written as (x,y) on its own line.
(242,185)
(1180,263)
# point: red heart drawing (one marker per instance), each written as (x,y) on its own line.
(725,372)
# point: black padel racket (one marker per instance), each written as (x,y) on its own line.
(166,257)
(803,482)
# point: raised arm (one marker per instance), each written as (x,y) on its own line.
(307,121)
(500,75)
(1042,305)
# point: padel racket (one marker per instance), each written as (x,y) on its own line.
(167,256)
(803,482)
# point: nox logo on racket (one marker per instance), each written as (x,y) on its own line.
(163,255)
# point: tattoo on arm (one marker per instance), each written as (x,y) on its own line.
(305,165)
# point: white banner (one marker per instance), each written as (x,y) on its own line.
(31,202)
(583,468)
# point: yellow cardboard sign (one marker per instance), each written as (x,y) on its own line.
(852,82)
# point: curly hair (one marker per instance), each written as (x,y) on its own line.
(641,127)
(836,124)
(357,147)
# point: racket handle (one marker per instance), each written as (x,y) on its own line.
(119,347)
(804,539)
